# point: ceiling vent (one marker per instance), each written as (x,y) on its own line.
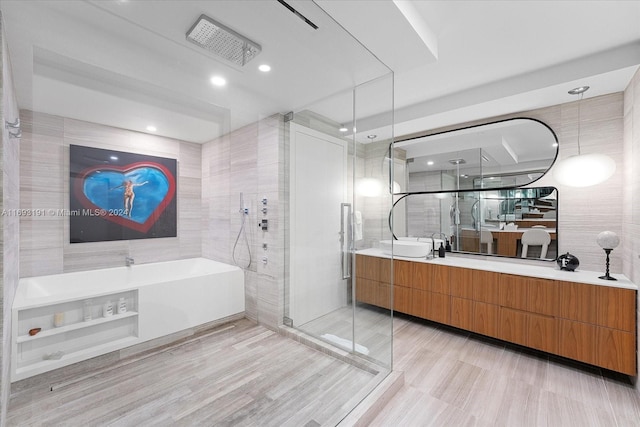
(223,41)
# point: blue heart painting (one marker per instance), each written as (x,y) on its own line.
(134,194)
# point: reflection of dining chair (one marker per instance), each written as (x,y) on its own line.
(535,237)
(486,237)
(538,226)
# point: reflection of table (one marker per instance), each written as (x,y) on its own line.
(506,240)
(527,223)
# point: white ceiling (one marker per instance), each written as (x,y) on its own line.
(126,63)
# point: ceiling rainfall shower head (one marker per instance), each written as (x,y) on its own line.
(223,41)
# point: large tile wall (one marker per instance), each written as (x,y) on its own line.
(249,161)
(631,187)
(584,212)
(9,225)
(372,162)
(44,184)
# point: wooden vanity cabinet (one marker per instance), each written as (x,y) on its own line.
(430,295)
(474,300)
(588,323)
(597,325)
(528,307)
(373,281)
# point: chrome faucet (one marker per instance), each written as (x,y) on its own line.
(129,261)
(431,254)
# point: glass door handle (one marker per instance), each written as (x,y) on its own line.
(345,239)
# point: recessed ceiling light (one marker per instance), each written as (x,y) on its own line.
(151,128)
(578,90)
(343,129)
(430,163)
(113,157)
(218,81)
(264,68)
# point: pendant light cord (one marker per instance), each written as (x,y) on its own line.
(579,91)
(579,119)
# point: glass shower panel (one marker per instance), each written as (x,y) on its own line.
(379,166)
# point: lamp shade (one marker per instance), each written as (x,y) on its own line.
(608,240)
(584,170)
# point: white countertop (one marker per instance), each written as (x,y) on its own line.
(546,270)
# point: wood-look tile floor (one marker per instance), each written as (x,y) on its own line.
(372,329)
(453,378)
(243,375)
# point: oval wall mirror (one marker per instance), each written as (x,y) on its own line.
(503,154)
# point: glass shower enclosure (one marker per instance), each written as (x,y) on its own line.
(339,187)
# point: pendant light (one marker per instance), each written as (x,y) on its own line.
(583,170)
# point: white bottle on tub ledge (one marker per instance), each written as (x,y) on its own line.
(86,311)
(107,309)
(122,306)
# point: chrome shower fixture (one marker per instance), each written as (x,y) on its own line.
(223,41)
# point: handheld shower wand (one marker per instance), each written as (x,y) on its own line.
(243,212)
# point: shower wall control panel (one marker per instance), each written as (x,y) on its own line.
(264,225)
(264,222)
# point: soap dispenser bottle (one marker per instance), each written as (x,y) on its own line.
(441,250)
(447,247)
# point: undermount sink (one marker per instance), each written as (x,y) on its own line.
(415,248)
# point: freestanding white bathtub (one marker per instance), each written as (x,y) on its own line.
(161,299)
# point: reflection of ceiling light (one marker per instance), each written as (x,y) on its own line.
(430,163)
(554,145)
(343,129)
(463,175)
(485,158)
(583,170)
(264,68)
(151,128)
(113,157)
(218,81)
